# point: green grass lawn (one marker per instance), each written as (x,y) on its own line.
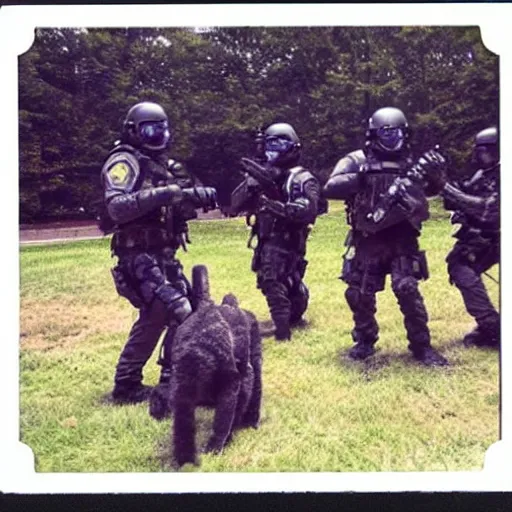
(320,411)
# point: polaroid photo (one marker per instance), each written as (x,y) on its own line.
(271,84)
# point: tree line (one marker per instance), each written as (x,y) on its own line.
(219,84)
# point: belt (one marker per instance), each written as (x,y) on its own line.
(150,238)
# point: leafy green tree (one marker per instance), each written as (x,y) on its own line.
(219,84)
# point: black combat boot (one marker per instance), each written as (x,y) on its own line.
(429,356)
(361,351)
(159,405)
(483,337)
(473,338)
(130,393)
(283,332)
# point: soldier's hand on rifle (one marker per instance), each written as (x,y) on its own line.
(173,193)
(205,197)
(275,207)
(252,184)
(431,168)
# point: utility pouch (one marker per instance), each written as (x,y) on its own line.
(124,288)
(373,281)
(256,259)
(420,266)
(265,226)
(349,238)
(348,267)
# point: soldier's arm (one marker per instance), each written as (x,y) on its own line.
(484,208)
(303,210)
(344,181)
(244,197)
(119,175)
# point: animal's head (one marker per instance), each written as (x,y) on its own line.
(230,300)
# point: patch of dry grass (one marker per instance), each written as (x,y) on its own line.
(321,411)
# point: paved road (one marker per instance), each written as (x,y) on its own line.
(79,230)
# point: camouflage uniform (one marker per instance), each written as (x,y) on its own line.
(149,208)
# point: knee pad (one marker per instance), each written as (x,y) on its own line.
(299,301)
(461,275)
(145,266)
(180,309)
(353,297)
(405,285)
(147,290)
(272,287)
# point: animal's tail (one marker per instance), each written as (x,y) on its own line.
(201,285)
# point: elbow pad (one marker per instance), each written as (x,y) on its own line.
(342,186)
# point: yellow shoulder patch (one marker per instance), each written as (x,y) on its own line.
(119,173)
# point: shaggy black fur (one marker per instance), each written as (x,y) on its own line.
(216,362)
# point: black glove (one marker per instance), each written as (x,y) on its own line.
(431,168)
(205,197)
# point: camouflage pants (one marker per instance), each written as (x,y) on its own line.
(466,262)
(366,263)
(155,284)
(280,274)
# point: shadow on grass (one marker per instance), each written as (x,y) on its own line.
(268,329)
(164,449)
(372,368)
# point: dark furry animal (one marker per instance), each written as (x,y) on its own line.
(216,362)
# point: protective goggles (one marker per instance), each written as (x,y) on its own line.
(483,156)
(154,133)
(390,137)
(278,145)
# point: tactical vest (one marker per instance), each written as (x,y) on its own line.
(282,229)
(377,177)
(482,184)
(162,226)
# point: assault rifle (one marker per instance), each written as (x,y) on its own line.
(176,219)
(248,194)
(428,173)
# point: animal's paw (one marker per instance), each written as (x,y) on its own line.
(159,407)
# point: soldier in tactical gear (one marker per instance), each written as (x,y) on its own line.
(148,200)
(386,205)
(281,200)
(475,206)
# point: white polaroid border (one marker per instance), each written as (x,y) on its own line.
(17,24)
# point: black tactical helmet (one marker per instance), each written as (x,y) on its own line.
(486,153)
(146,126)
(282,145)
(388,131)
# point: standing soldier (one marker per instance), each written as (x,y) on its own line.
(475,206)
(148,201)
(281,199)
(385,209)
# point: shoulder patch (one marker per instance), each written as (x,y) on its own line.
(119,173)
(121,170)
